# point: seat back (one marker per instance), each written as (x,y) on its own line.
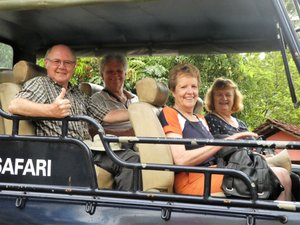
(22,72)
(143,116)
(89,88)
(104,178)
(199,106)
(5,76)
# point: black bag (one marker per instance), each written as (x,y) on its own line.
(267,151)
(255,166)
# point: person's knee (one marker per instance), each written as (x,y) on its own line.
(280,172)
(130,156)
(284,176)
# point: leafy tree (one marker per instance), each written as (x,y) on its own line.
(265,89)
(87,70)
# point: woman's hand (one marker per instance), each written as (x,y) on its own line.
(242,135)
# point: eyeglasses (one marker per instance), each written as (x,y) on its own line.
(58,62)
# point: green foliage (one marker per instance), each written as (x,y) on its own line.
(265,89)
(87,70)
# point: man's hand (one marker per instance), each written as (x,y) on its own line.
(61,107)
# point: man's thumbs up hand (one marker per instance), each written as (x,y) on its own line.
(61,106)
(62,94)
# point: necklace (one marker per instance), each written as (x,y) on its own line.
(190,117)
(229,120)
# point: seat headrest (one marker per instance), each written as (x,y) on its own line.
(24,71)
(89,88)
(153,92)
(199,106)
(6,75)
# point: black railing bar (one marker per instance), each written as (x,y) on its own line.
(207,186)
(137,172)
(209,210)
(174,199)
(5,114)
(41,138)
(215,142)
(15,126)
(17,118)
(119,196)
(161,200)
(155,140)
(20,118)
(68,118)
(46,188)
(64,128)
(78,190)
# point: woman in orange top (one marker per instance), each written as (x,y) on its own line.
(181,122)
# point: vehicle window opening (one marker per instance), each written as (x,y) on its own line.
(6,56)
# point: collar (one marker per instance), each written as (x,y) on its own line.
(70,86)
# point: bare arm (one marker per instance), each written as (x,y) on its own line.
(60,108)
(194,157)
(116,116)
(181,156)
(242,135)
(129,132)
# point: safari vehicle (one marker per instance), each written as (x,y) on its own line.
(52,180)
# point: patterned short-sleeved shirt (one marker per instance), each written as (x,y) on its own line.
(217,126)
(44,90)
(106,100)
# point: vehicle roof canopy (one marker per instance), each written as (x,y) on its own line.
(140,27)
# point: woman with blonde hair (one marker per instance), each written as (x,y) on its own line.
(223,99)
